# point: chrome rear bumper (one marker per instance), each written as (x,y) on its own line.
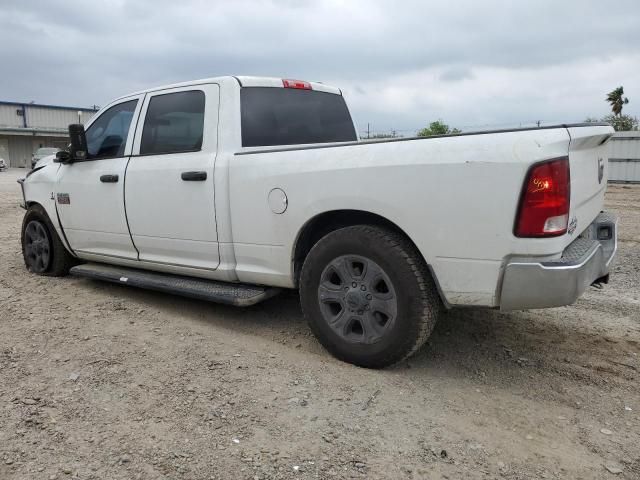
(556,283)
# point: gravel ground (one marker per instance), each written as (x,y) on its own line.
(98,381)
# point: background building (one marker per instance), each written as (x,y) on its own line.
(624,157)
(25,127)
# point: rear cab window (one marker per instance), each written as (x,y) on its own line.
(273,116)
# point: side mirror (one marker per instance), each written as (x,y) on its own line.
(62,157)
(78,149)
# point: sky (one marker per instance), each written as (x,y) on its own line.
(400,64)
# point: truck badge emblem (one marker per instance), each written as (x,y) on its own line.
(63,199)
(573,224)
(600,169)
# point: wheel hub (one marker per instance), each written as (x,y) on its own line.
(357,299)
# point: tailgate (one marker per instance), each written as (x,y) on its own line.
(588,154)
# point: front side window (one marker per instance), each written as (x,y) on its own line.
(107,136)
(174,123)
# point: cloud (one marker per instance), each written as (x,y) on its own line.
(455,74)
(400,65)
(494,96)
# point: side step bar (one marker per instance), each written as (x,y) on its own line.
(236,294)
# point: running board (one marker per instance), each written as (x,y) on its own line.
(236,294)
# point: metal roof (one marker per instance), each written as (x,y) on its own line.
(42,105)
(243,81)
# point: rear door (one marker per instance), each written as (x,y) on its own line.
(90,194)
(169,189)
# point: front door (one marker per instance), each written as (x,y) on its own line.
(169,193)
(90,194)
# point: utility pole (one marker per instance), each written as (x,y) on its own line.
(368,130)
(538,122)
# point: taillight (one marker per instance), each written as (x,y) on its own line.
(296,84)
(544,203)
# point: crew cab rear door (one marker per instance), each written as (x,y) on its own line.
(169,191)
(89,194)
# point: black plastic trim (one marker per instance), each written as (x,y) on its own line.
(64,235)
(193,176)
(34,170)
(191,287)
(109,178)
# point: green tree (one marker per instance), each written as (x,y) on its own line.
(622,123)
(617,100)
(437,128)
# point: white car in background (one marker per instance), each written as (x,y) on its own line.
(40,153)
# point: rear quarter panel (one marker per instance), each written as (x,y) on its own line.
(455,197)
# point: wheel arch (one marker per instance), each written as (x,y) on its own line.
(33,203)
(326,222)
(55,222)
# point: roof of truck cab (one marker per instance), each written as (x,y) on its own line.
(242,80)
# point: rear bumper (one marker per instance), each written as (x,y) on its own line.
(528,285)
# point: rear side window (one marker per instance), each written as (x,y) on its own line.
(286,116)
(174,123)
(107,136)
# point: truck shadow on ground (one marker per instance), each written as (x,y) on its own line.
(482,344)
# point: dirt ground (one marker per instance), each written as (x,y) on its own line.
(99,381)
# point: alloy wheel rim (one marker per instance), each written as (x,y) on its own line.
(357,299)
(37,247)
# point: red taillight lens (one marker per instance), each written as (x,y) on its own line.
(544,203)
(296,84)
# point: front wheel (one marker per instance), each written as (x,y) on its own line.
(42,250)
(368,295)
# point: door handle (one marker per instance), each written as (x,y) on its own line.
(109,178)
(193,176)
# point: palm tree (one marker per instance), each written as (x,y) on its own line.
(616,99)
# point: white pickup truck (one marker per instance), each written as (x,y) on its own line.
(229,189)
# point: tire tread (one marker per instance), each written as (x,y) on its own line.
(62,260)
(429,303)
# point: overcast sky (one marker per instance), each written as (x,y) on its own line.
(400,64)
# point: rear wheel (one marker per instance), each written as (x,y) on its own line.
(368,296)
(42,250)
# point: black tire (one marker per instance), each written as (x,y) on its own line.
(417,304)
(58,259)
